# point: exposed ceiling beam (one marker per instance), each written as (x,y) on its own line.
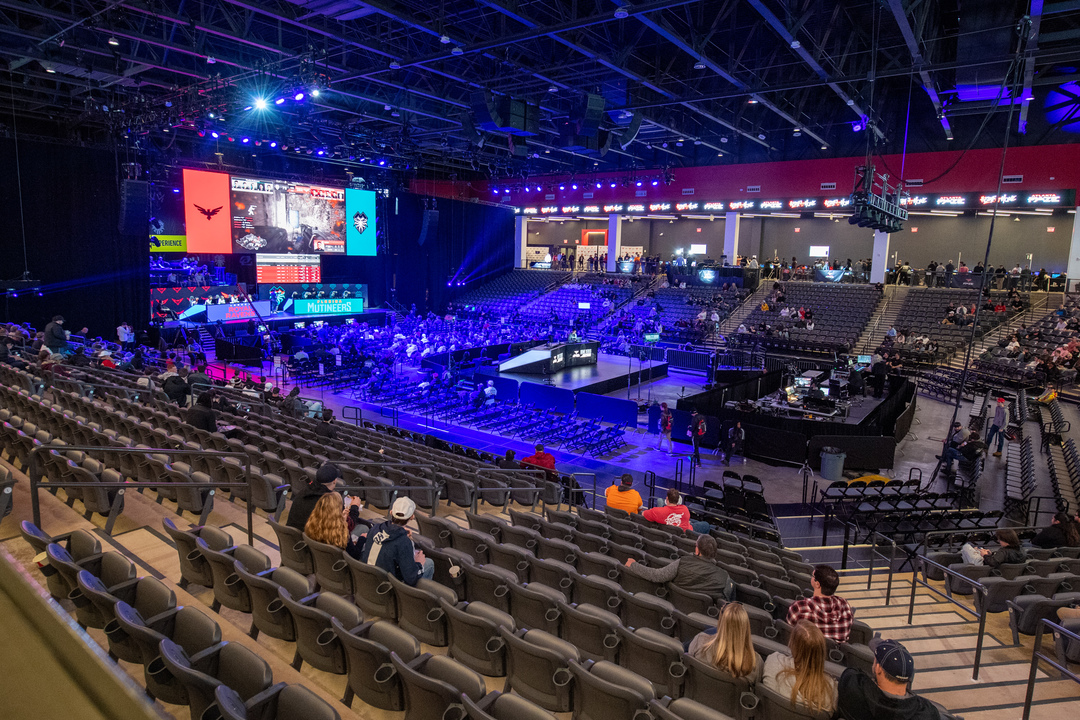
(778,26)
(1031,47)
(665,31)
(900,15)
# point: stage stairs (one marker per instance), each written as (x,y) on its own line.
(205,339)
(884,317)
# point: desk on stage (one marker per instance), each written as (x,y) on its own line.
(552,357)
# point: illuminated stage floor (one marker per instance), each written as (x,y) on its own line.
(610,373)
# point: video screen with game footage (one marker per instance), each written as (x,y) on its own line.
(269,216)
(233,214)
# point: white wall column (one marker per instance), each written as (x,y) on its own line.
(521,239)
(732,222)
(880,259)
(1073,268)
(614,241)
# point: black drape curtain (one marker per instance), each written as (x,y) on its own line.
(89,272)
(469,243)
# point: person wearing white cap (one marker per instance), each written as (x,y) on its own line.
(389,546)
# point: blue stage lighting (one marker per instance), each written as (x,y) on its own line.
(214,135)
(279,101)
(273,144)
(382,162)
(320,152)
(507,190)
(599,185)
(298,96)
(176,190)
(638,183)
(245,140)
(260,103)
(495,191)
(655,183)
(562,187)
(612,185)
(574,186)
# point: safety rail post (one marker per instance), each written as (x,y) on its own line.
(892,562)
(679,472)
(575,476)
(650,482)
(979,589)
(357,416)
(35,472)
(1061,637)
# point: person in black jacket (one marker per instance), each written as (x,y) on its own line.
(303,503)
(885,695)
(56,338)
(389,546)
(201,415)
(1009,552)
(1063,532)
(697,573)
(326,429)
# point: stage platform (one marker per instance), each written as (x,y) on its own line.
(285,320)
(610,373)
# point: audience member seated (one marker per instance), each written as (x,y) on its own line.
(886,695)
(540,459)
(728,646)
(801,676)
(1009,552)
(201,415)
(830,613)
(326,480)
(326,429)
(1063,532)
(623,496)
(696,573)
(329,523)
(390,546)
(676,514)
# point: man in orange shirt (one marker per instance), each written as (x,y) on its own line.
(623,496)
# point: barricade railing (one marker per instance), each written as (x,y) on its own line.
(1059,663)
(251,398)
(966,535)
(36,471)
(353,414)
(977,588)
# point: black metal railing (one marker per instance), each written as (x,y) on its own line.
(35,473)
(977,588)
(1059,663)
(875,553)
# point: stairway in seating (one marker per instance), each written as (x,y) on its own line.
(731,324)
(205,339)
(884,317)
(1041,304)
(942,641)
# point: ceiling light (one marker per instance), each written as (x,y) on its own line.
(699,65)
(697,142)
(314,92)
(385,107)
(850,102)
(622,13)
(797,133)
(445,39)
(113,41)
(824,147)
(50,69)
(260,103)
(723,139)
(395,65)
(795,44)
(752,101)
(457,51)
(279,101)
(298,96)
(210,60)
(761,136)
(552,88)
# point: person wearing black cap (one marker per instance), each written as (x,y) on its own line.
(325,481)
(886,695)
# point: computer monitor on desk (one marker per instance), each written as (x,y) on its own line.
(864,360)
(802,382)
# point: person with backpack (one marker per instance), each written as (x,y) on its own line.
(390,547)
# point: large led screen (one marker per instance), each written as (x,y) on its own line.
(286,268)
(360,221)
(272,216)
(206,212)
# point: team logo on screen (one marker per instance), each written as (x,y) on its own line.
(209,213)
(359,221)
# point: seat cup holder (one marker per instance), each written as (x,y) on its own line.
(561,677)
(494,645)
(501,591)
(552,614)
(383,588)
(667,623)
(384,674)
(611,641)
(435,615)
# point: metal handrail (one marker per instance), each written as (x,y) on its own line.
(978,588)
(892,562)
(968,533)
(357,417)
(1059,634)
(36,482)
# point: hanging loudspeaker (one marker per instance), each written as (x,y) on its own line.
(589,116)
(134,208)
(485,110)
(631,131)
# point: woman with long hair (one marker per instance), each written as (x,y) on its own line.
(801,675)
(328,524)
(730,649)
(1063,532)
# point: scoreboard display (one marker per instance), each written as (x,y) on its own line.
(286,268)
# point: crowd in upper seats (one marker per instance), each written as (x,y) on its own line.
(176,273)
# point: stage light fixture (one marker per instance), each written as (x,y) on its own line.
(214,135)
(699,65)
(494,191)
(273,144)
(321,152)
(176,190)
(655,183)
(857,126)
(574,186)
(505,190)
(50,69)
(315,92)
(761,136)
(723,139)
(298,96)
(247,108)
(260,103)
(246,140)
(638,183)
(279,101)
(445,39)
(824,147)
(562,187)
(622,13)
(751,101)
(113,41)
(457,51)
(599,185)
(383,162)
(210,60)
(612,185)
(539,189)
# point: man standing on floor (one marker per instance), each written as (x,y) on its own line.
(697,434)
(997,427)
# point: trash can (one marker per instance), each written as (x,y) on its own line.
(832,463)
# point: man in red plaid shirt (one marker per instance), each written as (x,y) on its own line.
(831,614)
